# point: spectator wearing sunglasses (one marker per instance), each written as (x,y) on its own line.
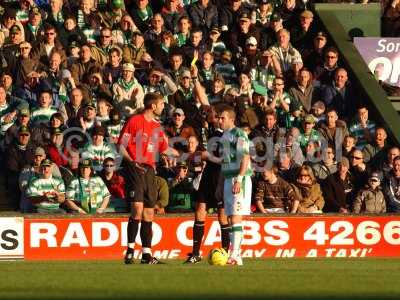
(48,45)
(358,169)
(115,184)
(100,52)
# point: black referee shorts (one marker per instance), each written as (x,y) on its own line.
(140,187)
(211,190)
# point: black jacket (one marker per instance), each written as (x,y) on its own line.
(203,17)
(17,158)
(337,193)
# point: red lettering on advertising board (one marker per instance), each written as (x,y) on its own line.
(325,236)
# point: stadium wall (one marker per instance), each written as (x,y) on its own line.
(84,238)
(356,19)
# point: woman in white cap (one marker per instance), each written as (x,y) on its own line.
(128,93)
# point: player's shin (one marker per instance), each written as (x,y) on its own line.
(236,239)
(132,230)
(225,236)
(198,233)
(146,235)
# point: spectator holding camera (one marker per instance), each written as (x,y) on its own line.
(286,108)
(182,189)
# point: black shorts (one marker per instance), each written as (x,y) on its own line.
(211,190)
(141,187)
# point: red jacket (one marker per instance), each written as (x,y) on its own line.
(59,158)
(115,185)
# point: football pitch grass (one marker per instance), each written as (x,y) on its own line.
(257,279)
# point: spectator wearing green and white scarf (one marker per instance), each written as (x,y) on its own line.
(128,92)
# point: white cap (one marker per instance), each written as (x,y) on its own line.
(251,40)
(128,67)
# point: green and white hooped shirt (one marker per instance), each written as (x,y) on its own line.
(98,154)
(41,186)
(41,115)
(113,131)
(235,144)
(90,193)
(22,16)
(3,125)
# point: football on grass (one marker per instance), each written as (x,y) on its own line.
(218,257)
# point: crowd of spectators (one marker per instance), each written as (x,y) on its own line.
(72,72)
